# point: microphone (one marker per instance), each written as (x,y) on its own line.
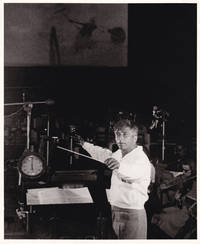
(159,113)
(47,102)
(50,102)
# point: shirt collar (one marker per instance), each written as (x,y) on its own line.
(137,149)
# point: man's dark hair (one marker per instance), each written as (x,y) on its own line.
(125,123)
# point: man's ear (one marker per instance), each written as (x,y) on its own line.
(136,138)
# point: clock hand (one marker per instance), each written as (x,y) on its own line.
(32,164)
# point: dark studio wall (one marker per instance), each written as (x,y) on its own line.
(161,67)
(162,53)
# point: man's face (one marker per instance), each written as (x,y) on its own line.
(126,139)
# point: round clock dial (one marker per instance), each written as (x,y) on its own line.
(32,165)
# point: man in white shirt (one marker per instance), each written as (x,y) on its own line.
(130,179)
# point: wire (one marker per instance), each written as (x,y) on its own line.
(13,114)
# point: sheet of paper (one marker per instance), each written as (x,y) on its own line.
(32,197)
(36,190)
(59,196)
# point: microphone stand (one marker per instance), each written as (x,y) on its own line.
(48,102)
(72,130)
(48,134)
(28,108)
(163,140)
(160,114)
(164,119)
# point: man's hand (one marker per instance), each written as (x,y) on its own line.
(111,163)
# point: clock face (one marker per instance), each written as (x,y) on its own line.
(32,166)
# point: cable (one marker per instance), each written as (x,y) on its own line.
(13,114)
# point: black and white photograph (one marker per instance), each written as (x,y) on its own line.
(100,120)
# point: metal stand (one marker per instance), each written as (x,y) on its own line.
(22,212)
(48,134)
(162,115)
(71,148)
(72,131)
(163,140)
(164,119)
(28,108)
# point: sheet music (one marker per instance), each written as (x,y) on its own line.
(55,195)
(36,190)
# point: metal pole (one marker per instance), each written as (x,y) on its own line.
(71,148)
(28,129)
(163,140)
(28,109)
(48,134)
(48,102)
(72,130)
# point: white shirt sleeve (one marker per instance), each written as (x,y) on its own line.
(136,170)
(96,152)
(153,173)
